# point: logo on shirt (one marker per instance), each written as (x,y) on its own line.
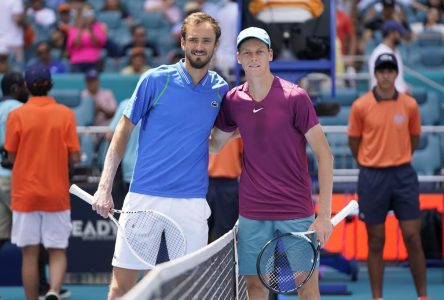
(399,119)
(257,110)
(214,104)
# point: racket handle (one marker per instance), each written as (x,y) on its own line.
(351,207)
(75,190)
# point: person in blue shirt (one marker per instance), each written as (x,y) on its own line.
(176,106)
(45,59)
(14,95)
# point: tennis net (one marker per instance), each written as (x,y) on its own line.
(209,273)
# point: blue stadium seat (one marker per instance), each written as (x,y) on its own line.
(430,58)
(112,19)
(429,105)
(427,158)
(68,97)
(340,119)
(343,96)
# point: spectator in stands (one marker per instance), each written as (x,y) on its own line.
(40,14)
(59,35)
(168,8)
(54,4)
(14,95)
(384,128)
(174,56)
(137,62)
(273,116)
(105,101)
(139,38)
(392,32)
(225,58)
(431,23)
(116,5)
(41,143)
(224,170)
(345,32)
(86,40)
(373,22)
(4,60)
(45,59)
(171,169)
(12,22)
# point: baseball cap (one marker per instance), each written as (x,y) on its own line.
(91,74)
(37,75)
(386,60)
(388,2)
(253,32)
(392,25)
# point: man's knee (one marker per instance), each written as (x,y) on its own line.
(122,281)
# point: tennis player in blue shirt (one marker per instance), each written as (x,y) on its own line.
(177,106)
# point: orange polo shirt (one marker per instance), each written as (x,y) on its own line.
(228,163)
(384,128)
(42,133)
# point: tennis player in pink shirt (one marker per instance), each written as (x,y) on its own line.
(276,119)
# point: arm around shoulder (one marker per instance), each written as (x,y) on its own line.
(219,138)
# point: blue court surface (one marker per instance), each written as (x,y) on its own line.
(397,285)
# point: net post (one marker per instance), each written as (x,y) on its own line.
(236,261)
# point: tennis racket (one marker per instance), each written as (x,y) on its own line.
(143,231)
(288,261)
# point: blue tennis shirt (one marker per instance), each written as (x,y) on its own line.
(177,117)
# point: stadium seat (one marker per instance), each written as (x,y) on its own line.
(343,96)
(430,38)
(112,19)
(427,158)
(340,119)
(430,57)
(429,105)
(68,97)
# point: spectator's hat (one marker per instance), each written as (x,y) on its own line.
(92,74)
(389,3)
(386,61)
(38,75)
(392,25)
(253,32)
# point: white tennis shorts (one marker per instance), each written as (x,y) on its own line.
(190,214)
(52,229)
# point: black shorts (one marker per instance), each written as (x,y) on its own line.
(222,197)
(383,189)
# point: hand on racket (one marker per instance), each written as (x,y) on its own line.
(102,203)
(143,230)
(288,261)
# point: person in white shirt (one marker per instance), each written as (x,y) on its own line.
(12,21)
(392,32)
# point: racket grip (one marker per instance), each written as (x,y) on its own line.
(75,190)
(351,207)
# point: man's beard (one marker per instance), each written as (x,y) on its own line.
(199,62)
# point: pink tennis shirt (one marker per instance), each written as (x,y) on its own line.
(274,184)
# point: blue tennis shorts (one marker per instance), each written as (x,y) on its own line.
(254,234)
(383,189)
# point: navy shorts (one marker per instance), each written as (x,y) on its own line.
(383,189)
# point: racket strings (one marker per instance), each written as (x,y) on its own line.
(144,231)
(287,262)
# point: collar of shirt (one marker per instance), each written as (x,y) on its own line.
(41,100)
(187,77)
(379,98)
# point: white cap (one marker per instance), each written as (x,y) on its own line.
(253,32)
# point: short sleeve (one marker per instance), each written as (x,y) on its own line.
(304,113)
(72,139)
(13,133)
(141,100)
(415,119)
(225,121)
(355,122)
